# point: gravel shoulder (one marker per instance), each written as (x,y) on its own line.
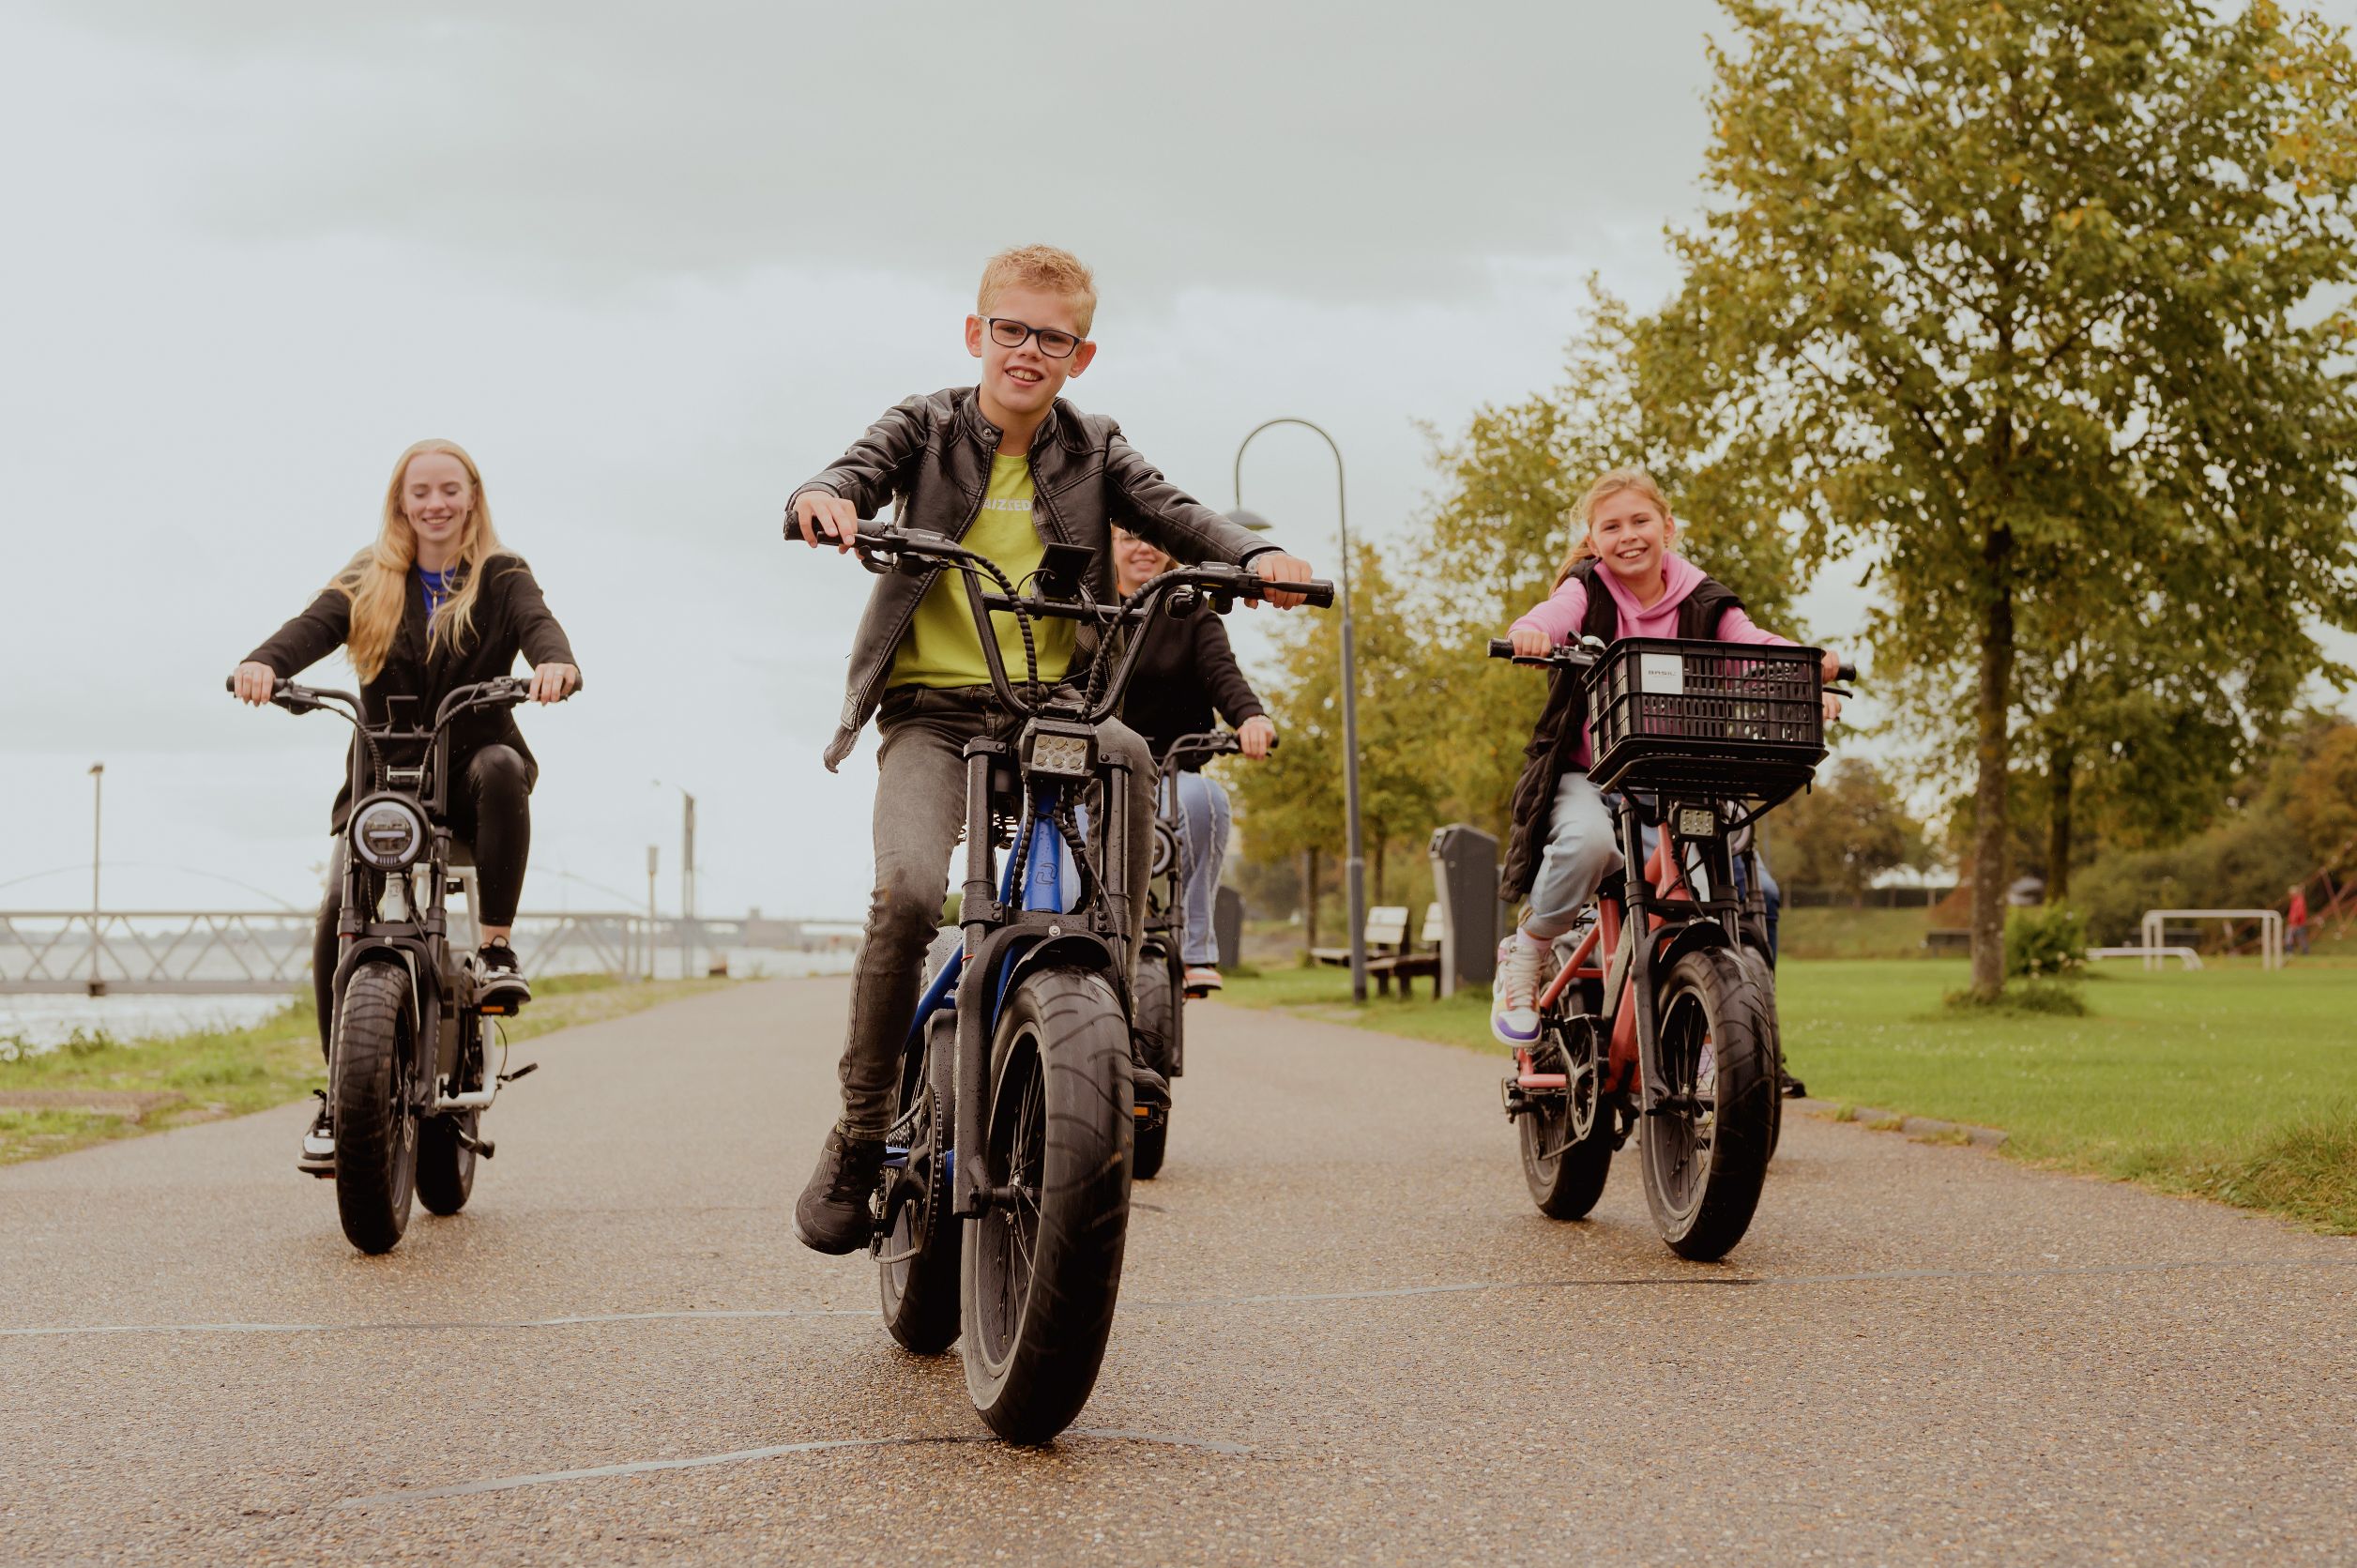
(1346,1336)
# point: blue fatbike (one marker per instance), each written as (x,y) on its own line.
(1003,1207)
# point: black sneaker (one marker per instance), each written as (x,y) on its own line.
(499,984)
(832,1214)
(319,1143)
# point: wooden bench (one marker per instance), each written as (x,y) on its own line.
(1405,965)
(1386,936)
(1943,939)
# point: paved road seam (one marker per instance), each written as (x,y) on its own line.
(738,1456)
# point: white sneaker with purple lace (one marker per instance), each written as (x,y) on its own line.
(1513,995)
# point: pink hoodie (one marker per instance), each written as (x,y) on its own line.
(1560,615)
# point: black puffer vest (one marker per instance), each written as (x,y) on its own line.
(1555,740)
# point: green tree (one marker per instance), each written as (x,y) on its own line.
(2016,300)
(1292,803)
(1848,831)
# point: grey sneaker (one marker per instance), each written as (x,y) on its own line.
(1513,1006)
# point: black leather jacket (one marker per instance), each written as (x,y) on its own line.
(930,458)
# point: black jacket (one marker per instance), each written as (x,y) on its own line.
(1185,669)
(930,458)
(511,617)
(1554,741)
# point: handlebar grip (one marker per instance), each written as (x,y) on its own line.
(1846,675)
(1316,591)
(1499,648)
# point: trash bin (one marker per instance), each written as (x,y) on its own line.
(1465,881)
(1228,925)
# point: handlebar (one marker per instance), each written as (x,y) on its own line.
(1582,658)
(1209,744)
(887,547)
(1560,657)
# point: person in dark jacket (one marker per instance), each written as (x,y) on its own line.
(1007,467)
(435,604)
(1185,672)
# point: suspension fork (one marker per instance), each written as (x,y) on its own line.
(978,914)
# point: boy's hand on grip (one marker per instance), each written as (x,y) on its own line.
(824,519)
(1530,643)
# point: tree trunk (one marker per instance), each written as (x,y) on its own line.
(1309,897)
(2059,768)
(1989,833)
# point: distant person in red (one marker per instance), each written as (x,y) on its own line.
(2296,923)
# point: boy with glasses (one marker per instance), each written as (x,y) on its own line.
(1006,467)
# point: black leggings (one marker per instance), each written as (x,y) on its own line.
(490,809)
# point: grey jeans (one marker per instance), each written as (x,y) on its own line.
(1580,854)
(920,817)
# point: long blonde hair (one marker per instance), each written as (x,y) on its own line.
(1606,486)
(378,580)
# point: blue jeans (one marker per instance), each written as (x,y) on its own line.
(1203,816)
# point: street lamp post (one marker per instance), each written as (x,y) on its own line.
(97,786)
(651,926)
(1356,865)
(687,880)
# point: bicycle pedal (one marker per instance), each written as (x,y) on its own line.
(324,1170)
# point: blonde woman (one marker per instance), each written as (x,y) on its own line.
(437,602)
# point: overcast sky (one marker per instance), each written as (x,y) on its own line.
(654,265)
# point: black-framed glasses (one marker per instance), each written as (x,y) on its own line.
(1009,333)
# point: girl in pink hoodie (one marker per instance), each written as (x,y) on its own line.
(1622,552)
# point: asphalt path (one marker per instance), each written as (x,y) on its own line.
(1344,1335)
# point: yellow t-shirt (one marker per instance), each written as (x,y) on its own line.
(940,647)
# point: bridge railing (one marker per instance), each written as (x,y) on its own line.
(242,951)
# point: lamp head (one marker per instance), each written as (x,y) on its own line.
(1252,519)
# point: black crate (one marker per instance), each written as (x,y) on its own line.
(1742,721)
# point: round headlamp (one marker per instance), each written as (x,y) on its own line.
(387,832)
(1165,849)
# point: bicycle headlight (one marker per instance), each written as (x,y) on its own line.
(1065,753)
(387,832)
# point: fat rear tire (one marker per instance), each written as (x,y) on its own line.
(1159,1015)
(1704,1171)
(377,1134)
(446,1167)
(1042,1273)
(919,1293)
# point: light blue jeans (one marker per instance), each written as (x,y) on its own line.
(1580,854)
(1203,817)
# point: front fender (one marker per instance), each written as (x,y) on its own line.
(1694,937)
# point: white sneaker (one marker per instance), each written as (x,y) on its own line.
(1513,995)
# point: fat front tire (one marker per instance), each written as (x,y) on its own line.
(376,1135)
(1043,1268)
(1764,974)
(446,1167)
(918,1286)
(1705,1148)
(1159,1015)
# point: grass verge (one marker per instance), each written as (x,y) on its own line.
(2229,1084)
(150,1085)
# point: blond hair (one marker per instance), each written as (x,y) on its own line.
(1606,486)
(378,580)
(1039,266)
